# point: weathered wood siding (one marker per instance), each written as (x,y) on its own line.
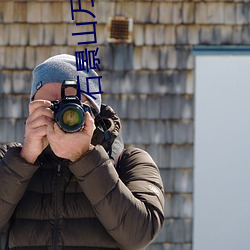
(150,82)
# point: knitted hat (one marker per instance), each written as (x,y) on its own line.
(63,67)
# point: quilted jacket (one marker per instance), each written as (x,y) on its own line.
(102,201)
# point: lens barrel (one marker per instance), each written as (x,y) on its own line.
(70,117)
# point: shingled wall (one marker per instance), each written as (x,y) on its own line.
(150,82)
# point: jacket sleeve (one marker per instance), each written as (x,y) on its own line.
(128,204)
(15,174)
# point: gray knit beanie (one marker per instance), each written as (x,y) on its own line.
(63,67)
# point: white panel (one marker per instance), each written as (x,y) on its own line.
(222,153)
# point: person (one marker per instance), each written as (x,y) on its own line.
(81,190)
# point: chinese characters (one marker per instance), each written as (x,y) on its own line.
(87,59)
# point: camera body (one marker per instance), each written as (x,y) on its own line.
(70,113)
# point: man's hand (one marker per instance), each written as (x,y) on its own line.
(35,141)
(71,146)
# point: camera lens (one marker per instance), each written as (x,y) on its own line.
(70,117)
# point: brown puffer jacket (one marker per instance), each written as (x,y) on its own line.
(94,203)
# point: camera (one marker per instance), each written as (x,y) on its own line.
(70,113)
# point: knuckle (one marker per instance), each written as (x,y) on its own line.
(43,120)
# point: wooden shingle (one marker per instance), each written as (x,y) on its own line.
(20,12)
(193,34)
(150,57)
(133,107)
(156,131)
(188,12)
(19,57)
(164,155)
(4,37)
(153,107)
(149,34)
(154,14)
(119,57)
(168,178)
(226,34)
(48,13)
(182,157)
(101,34)
(189,82)
(34,12)
(21,82)
(141,83)
(66,12)
(8,62)
(116,81)
(30,57)
(182,34)
(7,131)
(182,206)
(215,13)
(103,10)
(157,82)
(80,17)
(242,13)
(206,35)
(35,34)
(201,13)
(126,9)
(183,134)
(183,180)
(18,34)
(159,34)
(7,11)
(12,106)
(168,205)
(245,34)
(170,12)
(19,130)
(105,55)
(172,62)
(1,11)
(60,34)
(6,84)
(138,34)
(145,15)
(229,13)
(170,35)
(180,230)
(137,58)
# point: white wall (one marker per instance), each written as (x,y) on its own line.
(222,153)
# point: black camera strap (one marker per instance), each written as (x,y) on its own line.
(106,132)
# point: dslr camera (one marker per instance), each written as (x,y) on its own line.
(70,113)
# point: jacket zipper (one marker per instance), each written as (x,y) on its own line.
(56,232)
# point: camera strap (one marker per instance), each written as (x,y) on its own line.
(106,133)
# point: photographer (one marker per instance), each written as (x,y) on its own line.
(75,189)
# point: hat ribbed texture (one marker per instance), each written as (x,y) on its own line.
(63,67)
